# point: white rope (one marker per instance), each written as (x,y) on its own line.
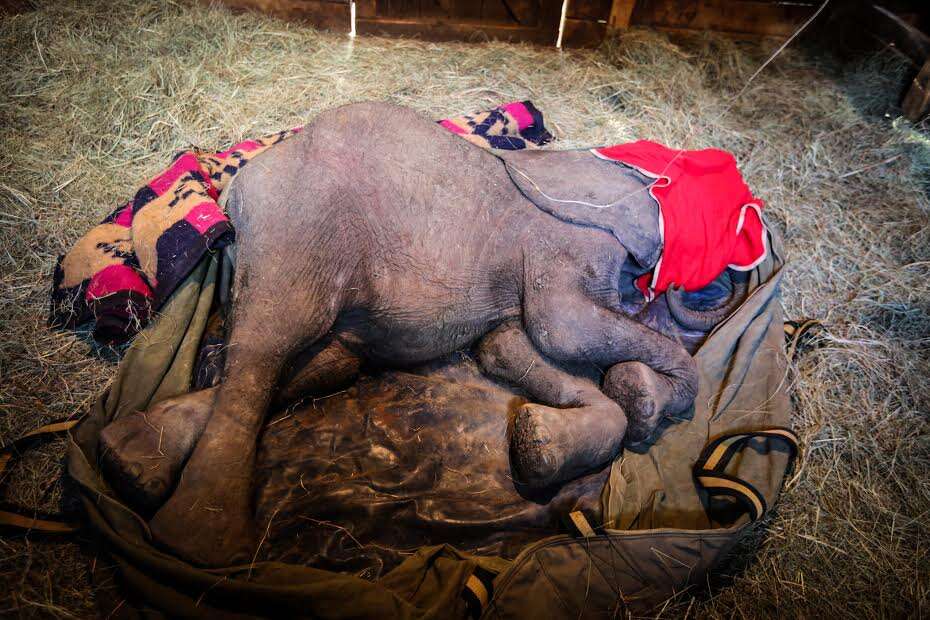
(577,202)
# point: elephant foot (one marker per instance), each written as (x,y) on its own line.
(643,394)
(535,454)
(551,446)
(208,520)
(142,455)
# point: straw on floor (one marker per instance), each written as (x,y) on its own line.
(96,97)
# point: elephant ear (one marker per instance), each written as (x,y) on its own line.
(578,187)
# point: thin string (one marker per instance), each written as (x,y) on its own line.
(773,56)
(577,202)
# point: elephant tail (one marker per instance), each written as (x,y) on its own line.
(705,319)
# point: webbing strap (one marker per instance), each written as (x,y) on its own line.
(477,591)
(710,468)
(477,588)
(16,519)
(581,523)
(796,332)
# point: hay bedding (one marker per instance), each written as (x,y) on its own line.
(96,98)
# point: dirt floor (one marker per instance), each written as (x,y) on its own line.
(95,98)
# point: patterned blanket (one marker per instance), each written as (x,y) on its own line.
(119,273)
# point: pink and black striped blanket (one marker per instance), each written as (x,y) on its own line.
(121,272)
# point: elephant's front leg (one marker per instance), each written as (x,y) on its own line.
(650,376)
(576,428)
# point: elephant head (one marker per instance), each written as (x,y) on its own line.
(577,187)
(580,188)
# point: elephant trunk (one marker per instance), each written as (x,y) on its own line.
(705,320)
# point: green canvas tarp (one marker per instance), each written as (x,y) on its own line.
(663,518)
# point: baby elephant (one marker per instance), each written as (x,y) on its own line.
(377,236)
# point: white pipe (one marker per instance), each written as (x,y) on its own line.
(558,42)
(352,17)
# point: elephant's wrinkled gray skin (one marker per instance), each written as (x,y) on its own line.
(375,235)
(702,313)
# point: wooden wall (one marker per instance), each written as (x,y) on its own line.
(326,14)
(537,21)
(752,17)
(510,20)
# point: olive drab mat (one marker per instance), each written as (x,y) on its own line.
(654,524)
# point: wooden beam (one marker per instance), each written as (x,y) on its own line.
(916,102)
(326,14)
(537,22)
(457,30)
(889,27)
(620,13)
(745,16)
(583,33)
(594,10)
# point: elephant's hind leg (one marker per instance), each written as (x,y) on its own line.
(208,519)
(576,428)
(143,454)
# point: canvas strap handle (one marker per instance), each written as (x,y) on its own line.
(797,333)
(478,591)
(14,519)
(710,469)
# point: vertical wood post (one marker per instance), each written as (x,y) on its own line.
(620,13)
(917,100)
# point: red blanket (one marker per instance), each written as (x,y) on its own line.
(709,220)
